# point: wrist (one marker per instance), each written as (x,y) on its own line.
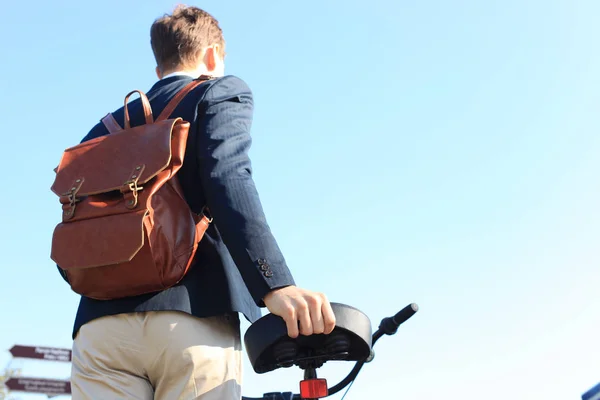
(273,291)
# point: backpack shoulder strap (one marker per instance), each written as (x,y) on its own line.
(111,123)
(113,126)
(170,107)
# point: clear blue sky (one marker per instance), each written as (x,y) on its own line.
(444,153)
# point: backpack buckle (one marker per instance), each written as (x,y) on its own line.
(69,199)
(130,188)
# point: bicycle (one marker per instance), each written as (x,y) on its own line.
(269,348)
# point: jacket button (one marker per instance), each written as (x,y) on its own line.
(264,267)
(262,261)
(268,274)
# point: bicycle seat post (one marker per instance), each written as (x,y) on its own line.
(310,373)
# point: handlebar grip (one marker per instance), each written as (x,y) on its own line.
(390,325)
(403,315)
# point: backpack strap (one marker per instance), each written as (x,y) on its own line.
(170,107)
(145,105)
(113,126)
(111,123)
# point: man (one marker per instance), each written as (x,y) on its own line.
(184,342)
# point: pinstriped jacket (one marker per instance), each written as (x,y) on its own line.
(238,261)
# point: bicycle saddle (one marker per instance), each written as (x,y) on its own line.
(269,347)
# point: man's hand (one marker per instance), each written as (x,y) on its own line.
(294,304)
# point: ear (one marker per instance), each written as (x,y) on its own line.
(158,73)
(210,58)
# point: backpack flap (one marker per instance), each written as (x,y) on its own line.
(106,163)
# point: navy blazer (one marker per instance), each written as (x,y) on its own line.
(238,260)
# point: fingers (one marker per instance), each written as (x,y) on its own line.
(322,318)
(304,312)
(304,317)
(328,316)
(291,322)
(315,305)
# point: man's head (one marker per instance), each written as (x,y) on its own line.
(189,40)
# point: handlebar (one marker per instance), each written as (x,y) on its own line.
(388,326)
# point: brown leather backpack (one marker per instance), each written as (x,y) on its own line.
(126,228)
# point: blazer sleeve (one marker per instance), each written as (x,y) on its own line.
(224,121)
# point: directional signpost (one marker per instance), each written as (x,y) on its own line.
(41,353)
(49,387)
(33,385)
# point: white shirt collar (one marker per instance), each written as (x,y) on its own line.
(179,73)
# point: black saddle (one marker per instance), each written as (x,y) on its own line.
(269,347)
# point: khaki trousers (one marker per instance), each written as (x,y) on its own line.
(157,355)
